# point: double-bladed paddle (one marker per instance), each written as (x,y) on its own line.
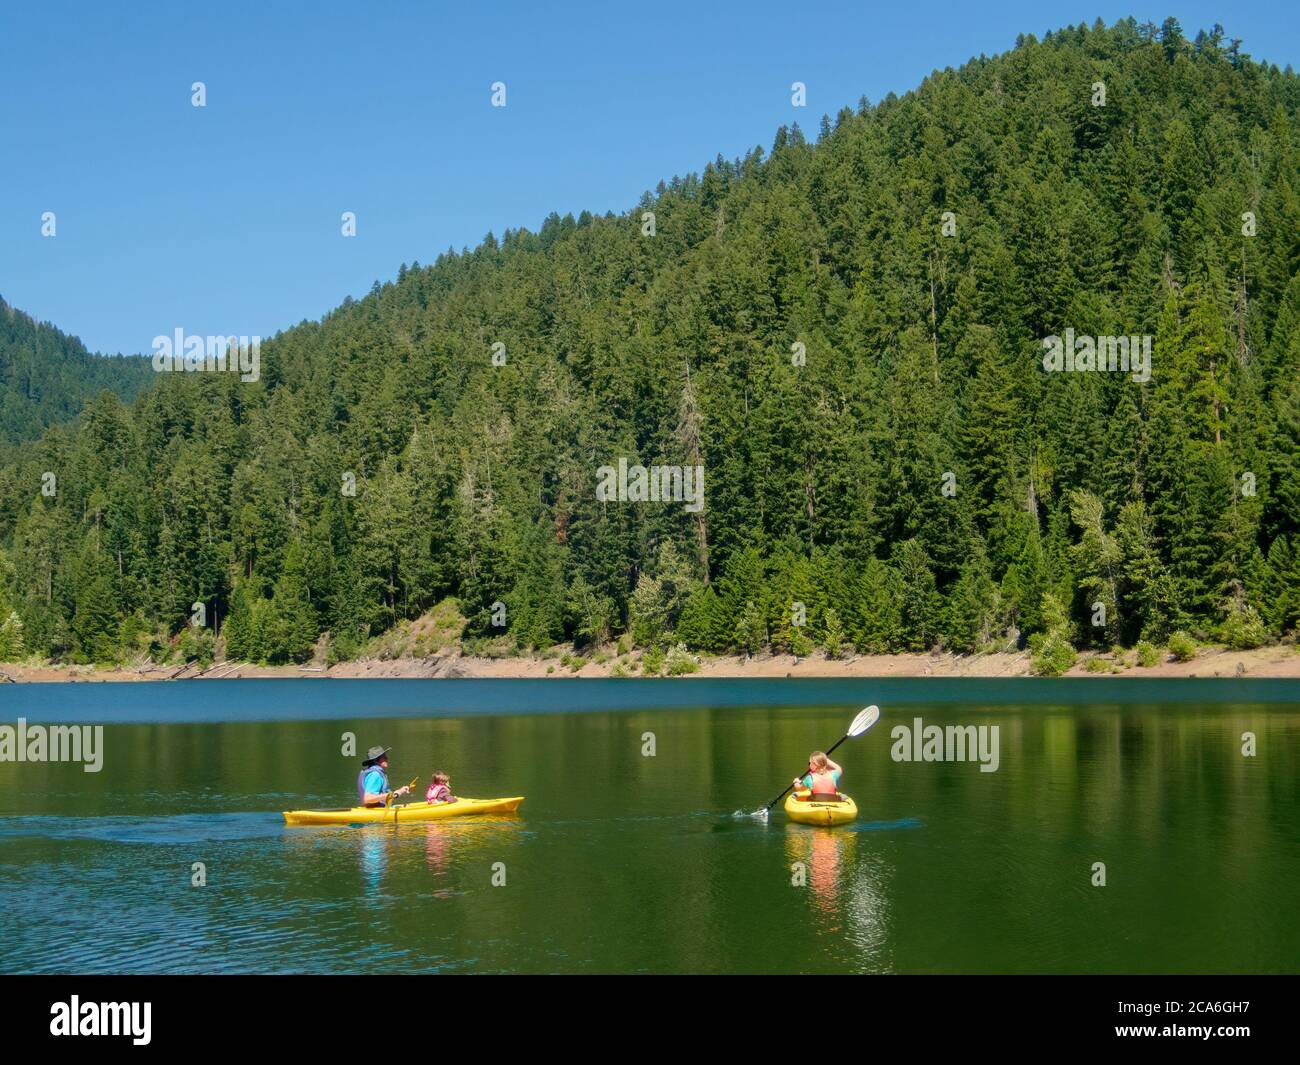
(859,725)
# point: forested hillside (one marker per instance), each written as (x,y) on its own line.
(46,375)
(859,374)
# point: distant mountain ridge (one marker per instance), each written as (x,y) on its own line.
(46,376)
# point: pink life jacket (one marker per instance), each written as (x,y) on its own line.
(438,793)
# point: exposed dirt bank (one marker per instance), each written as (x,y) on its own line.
(1279,662)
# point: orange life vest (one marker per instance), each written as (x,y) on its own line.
(824,783)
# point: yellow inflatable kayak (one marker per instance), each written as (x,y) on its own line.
(798,807)
(400,815)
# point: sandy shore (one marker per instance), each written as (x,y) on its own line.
(1275,662)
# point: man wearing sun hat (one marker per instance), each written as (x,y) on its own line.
(372,781)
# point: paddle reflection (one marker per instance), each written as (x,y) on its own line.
(867,910)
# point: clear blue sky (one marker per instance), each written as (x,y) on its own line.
(226,219)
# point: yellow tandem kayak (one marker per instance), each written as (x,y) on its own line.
(818,812)
(411,811)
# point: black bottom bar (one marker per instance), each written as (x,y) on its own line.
(412,1014)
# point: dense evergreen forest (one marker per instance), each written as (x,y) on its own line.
(47,376)
(846,335)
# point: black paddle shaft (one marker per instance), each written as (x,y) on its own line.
(789,787)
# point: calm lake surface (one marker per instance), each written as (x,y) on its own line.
(619,862)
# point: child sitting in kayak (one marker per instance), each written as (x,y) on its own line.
(440,789)
(822,778)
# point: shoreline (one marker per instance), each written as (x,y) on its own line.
(1279,662)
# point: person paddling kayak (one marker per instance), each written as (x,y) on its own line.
(823,776)
(372,781)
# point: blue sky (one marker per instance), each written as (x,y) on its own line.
(226,219)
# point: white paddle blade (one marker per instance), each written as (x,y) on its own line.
(864,720)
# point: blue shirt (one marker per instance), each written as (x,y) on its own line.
(374,783)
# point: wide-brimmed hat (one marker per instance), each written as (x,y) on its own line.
(374,754)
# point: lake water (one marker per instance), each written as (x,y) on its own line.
(621,862)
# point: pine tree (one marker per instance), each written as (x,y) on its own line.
(291,623)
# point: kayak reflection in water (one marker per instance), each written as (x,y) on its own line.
(439,788)
(828,857)
(823,776)
(372,781)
